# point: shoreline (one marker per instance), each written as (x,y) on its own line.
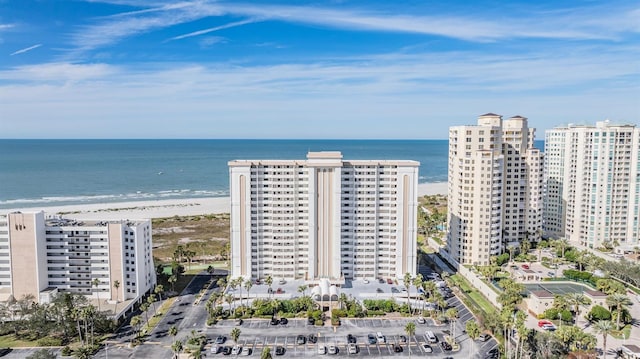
(167,208)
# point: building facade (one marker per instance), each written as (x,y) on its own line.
(592,185)
(323,218)
(40,255)
(494,191)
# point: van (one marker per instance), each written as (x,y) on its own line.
(381,338)
(431,338)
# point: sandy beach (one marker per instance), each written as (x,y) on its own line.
(168,208)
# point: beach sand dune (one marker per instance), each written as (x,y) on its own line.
(169,208)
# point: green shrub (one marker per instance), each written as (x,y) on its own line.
(66,351)
(552,314)
(49,342)
(597,313)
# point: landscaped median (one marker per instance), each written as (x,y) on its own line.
(153,321)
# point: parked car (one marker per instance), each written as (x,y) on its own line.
(445,346)
(397,348)
(282,281)
(258,281)
(246,351)
(549,327)
(279,291)
(215,349)
(389,281)
(493,354)
(484,337)
(525,266)
(300,339)
(333,349)
(322,349)
(351,339)
(284,321)
(236,350)
(372,339)
(227,351)
(380,280)
(403,338)
(421,320)
(352,348)
(311,321)
(312,339)
(379,290)
(427,348)
(280,350)
(543,322)
(239,321)
(366,281)
(275,321)
(381,338)
(220,339)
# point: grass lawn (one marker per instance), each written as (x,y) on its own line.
(153,321)
(10,341)
(461,282)
(481,301)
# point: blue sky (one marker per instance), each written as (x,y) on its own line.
(322,69)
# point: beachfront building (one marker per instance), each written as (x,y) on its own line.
(42,255)
(323,218)
(592,188)
(494,191)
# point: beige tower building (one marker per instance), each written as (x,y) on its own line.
(592,184)
(323,218)
(41,256)
(495,182)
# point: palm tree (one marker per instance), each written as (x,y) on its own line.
(159,290)
(135,323)
(229,299)
(619,301)
(266,353)
(196,353)
(151,299)
(473,331)
(407,281)
(605,328)
(574,301)
(116,285)
(95,283)
(235,334)
(269,281)
(176,347)
(417,282)
(302,289)
(173,278)
(173,331)
(410,329)
(452,316)
(247,285)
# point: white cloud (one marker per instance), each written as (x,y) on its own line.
(217,28)
(26,49)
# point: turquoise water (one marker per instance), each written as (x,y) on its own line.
(37,173)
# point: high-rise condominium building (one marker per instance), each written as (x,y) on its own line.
(494,196)
(40,256)
(323,218)
(592,189)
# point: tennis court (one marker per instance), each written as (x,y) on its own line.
(557,288)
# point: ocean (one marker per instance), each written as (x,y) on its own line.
(39,173)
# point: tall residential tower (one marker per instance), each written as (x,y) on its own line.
(494,196)
(323,218)
(592,184)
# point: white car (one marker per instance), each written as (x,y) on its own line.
(246,351)
(421,320)
(427,348)
(352,348)
(236,350)
(322,349)
(333,349)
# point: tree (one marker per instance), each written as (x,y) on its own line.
(43,354)
(116,285)
(173,331)
(473,331)
(605,328)
(136,321)
(619,302)
(452,315)
(410,329)
(407,282)
(197,352)
(269,281)
(266,353)
(598,312)
(247,285)
(235,334)
(159,290)
(303,289)
(417,282)
(95,283)
(173,278)
(176,347)
(151,299)
(574,301)
(84,352)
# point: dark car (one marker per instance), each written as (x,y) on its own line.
(300,339)
(372,339)
(280,350)
(445,346)
(311,321)
(312,339)
(284,321)
(5,351)
(379,290)
(381,281)
(351,339)
(220,339)
(226,351)
(275,321)
(403,338)
(239,321)
(493,353)
(397,348)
